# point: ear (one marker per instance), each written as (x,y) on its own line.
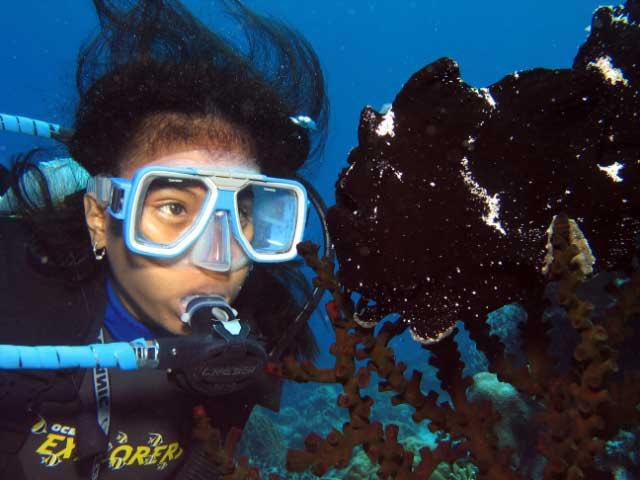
(96,218)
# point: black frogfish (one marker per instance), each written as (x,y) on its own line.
(444,210)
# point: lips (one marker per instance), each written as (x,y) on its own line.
(184,301)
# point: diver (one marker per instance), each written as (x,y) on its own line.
(175,256)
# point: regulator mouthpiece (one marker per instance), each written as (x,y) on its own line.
(203,312)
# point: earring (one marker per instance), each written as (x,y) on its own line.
(99,253)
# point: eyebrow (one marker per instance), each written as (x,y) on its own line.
(179,185)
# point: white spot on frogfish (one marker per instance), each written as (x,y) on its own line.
(387,125)
(612,171)
(609,72)
(492,203)
(484,93)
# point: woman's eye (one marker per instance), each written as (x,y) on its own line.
(245,214)
(173,209)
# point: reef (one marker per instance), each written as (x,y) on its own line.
(568,418)
(455,202)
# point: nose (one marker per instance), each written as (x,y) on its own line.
(217,249)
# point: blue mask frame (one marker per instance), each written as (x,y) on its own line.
(122,196)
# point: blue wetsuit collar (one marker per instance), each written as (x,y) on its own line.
(122,326)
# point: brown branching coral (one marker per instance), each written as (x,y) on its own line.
(584,410)
(214,454)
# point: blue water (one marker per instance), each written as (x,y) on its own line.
(368,49)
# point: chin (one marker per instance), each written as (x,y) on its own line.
(171,322)
(176,327)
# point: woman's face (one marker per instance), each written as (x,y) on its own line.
(155,291)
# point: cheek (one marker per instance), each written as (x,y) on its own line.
(248,231)
(237,280)
(133,272)
(121,261)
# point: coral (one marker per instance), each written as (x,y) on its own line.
(622,454)
(624,448)
(359,468)
(217,454)
(504,323)
(514,429)
(262,439)
(454,471)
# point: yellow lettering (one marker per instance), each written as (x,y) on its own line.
(126,455)
(141,452)
(52,441)
(68,449)
(156,454)
(171,452)
(119,456)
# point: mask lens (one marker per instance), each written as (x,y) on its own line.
(169,208)
(268,216)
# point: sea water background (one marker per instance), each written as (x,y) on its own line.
(368,49)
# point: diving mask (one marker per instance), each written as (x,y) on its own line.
(214,219)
